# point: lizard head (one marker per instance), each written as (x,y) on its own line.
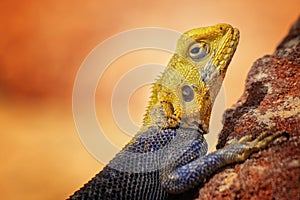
(184,94)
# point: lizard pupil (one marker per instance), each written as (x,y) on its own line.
(187,93)
(195,50)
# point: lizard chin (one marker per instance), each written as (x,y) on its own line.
(192,123)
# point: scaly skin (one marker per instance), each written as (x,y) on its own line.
(167,156)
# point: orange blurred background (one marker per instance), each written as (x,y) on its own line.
(42,46)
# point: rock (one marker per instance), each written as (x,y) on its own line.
(270,102)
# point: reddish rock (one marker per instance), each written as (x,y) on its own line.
(271,102)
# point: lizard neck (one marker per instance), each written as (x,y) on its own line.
(167,107)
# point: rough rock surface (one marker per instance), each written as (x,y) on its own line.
(271,102)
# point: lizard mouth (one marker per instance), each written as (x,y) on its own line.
(227,50)
(222,57)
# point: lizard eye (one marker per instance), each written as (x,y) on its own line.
(198,50)
(187,93)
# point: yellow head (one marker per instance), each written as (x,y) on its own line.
(184,94)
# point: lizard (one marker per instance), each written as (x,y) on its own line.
(168,154)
